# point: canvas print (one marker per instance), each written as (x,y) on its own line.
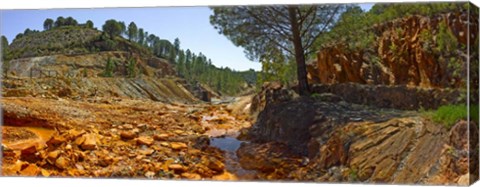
(377,93)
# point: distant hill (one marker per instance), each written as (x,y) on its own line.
(81,50)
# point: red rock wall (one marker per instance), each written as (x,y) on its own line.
(409,64)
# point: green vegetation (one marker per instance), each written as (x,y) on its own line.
(132,68)
(112,28)
(356,28)
(48,24)
(109,67)
(277,68)
(448,115)
(132,31)
(288,30)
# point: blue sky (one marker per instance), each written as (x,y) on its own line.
(190,24)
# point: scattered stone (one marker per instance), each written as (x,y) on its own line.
(128,126)
(128,135)
(79,140)
(179,132)
(146,152)
(45,173)
(178,145)
(68,147)
(165,144)
(29,150)
(90,142)
(61,163)
(56,140)
(225,176)
(150,174)
(177,168)
(74,133)
(52,156)
(213,163)
(192,176)
(160,137)
(143,140)
(30,170)
(105,161)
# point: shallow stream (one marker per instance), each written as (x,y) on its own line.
(230,145)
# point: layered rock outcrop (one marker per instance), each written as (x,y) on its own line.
(342,141)
(88,65)
(401,54)
(166,90)
(397,96)
(402,150)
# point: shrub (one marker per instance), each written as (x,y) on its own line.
(448,115)
(109,67)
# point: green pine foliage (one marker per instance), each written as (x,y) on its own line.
(109,68)
(132,68)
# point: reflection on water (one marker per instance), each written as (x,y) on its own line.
(226,143)
(230,146)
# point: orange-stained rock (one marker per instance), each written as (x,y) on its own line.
(61,163)
(397,55)
(213,163)
(56,140)
(74,133)
(225,176)
(161,137)
(177,168)
(90,142)
(30,170)
(128,135)
(178,145)
(146,152)
(45,173)
(192,176)
(144,140)
(149,174)
(52,156)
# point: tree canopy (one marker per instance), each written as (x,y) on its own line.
(89,24)
(48,24)
(292,29)
(132,31)
(112,28)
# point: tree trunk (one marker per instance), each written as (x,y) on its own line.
(303,88)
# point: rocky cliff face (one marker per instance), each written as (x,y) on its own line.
(402,54)
(87,65)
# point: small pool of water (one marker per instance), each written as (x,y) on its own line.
(226,143)
(230,146)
